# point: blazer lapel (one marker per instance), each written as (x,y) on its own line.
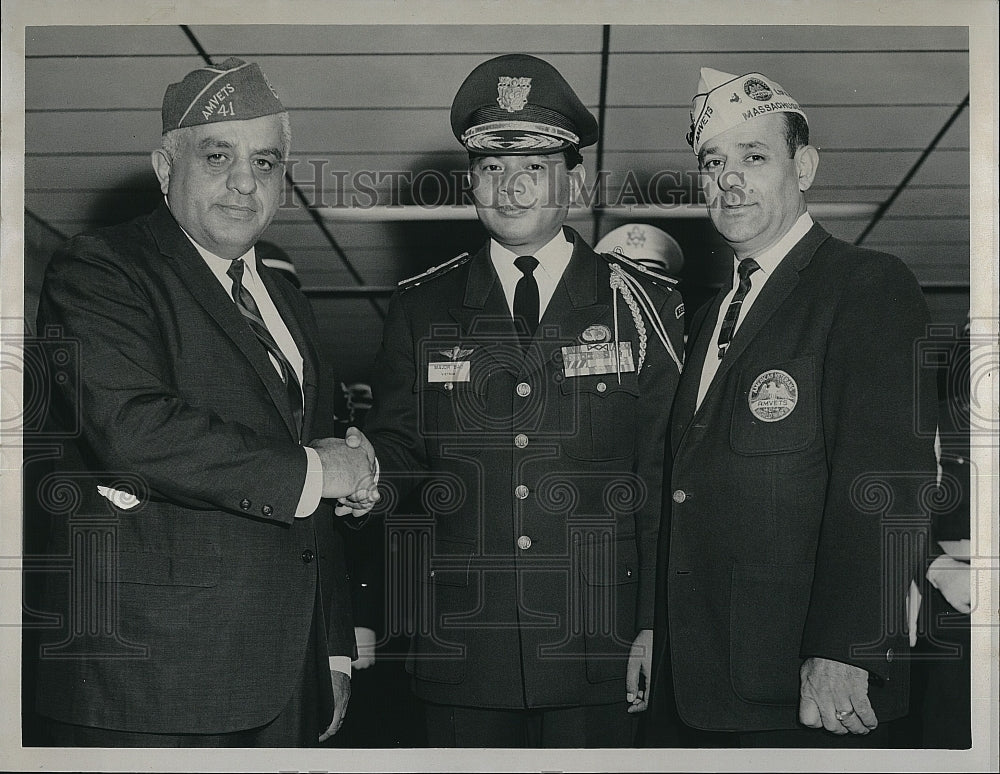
(699,347)
(206,290)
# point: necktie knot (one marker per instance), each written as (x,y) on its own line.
(235,272)
(747,267)
(526,264)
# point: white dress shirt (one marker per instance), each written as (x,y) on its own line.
(768,262)
(553,258)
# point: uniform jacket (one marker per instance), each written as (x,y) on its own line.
(797,500)
(206,591)
(536,567)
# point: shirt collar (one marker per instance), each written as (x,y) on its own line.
(553,257)
(772,256)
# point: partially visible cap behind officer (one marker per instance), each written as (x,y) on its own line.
(645,244)
(274,257)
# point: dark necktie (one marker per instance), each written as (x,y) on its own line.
(526,299)
(744,269)
(251,313)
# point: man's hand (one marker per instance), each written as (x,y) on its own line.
(365,638)
(952,578)
(640,661)
(348,466)
(834,696)
(341,698)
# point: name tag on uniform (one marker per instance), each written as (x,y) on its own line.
(591,359)
(449,371)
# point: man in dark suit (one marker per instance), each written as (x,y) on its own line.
(528,385)
(206,601)
(798,473)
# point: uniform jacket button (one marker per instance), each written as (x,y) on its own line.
(524,542)
(245,504)
(308,555)
(601,387)
(521,492)
(679,496)
(524,389)
(889,656)
(520,440)
(267,510)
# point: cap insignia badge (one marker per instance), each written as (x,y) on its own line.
(757,89)
(636,236)
(512,93)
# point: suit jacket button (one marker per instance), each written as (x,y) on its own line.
(245,504)
(679,496)
(308,555)
(267,510)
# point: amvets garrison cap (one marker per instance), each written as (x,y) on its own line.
(520,105)
(233,91)
(725,100)
(645,244)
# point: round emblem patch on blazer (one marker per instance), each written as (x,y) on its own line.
(773,396)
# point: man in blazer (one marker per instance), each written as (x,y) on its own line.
(206,600)
(527,384)
(797,476)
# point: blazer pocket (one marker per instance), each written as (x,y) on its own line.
(596,416)
(154,569)
(767,617)
(776,409)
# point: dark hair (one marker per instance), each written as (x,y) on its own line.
(571,155)
(796,132)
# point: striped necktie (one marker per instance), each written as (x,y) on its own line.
(251,313)
(744,269)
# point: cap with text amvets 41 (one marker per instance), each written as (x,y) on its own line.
(725,100)
(518,104)
(233,91)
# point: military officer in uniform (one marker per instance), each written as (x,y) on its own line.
(799,480)
(528,385)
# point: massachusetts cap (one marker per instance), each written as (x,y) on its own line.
(518,104)
(645,244)
(725,100)
(233,91)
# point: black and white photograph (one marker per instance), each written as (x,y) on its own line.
(599,386)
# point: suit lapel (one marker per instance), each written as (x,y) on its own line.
(291,315)
(206,290)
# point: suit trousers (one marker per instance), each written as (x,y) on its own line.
(297,725)
(595,725)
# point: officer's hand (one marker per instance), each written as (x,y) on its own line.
(348,471)
(640,662)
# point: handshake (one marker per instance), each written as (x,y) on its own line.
(350,472)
